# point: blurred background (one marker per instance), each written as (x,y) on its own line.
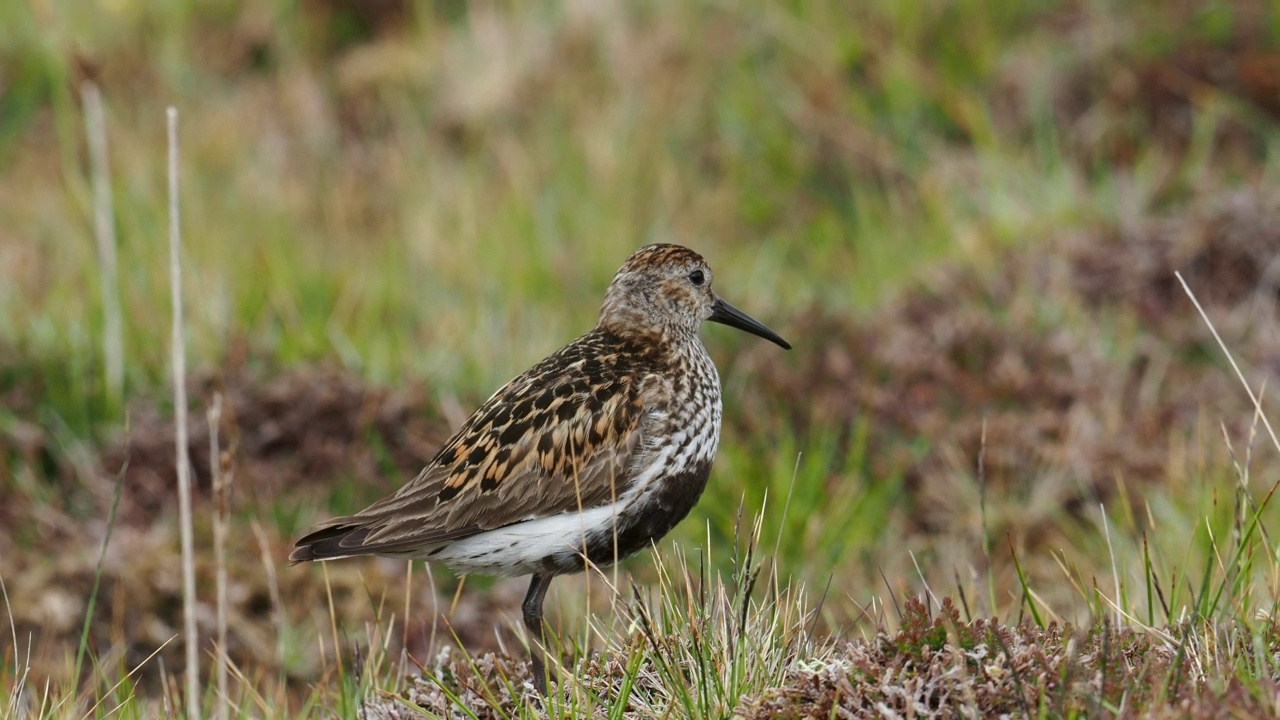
(964,215)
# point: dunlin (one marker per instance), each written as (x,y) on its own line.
(589,456)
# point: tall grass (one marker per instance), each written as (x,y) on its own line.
(691,645)
(191,637)
(104,226)
(409,209)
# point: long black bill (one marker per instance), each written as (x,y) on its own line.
(724,313)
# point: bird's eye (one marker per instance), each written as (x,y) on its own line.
(696,277)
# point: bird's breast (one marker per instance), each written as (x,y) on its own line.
(670,471)
(681,437)
(686,429)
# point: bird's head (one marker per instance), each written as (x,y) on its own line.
(665,290)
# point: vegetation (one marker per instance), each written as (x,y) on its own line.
(1007,468)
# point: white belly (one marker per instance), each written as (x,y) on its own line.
(520,549)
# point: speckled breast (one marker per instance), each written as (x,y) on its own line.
(679,462)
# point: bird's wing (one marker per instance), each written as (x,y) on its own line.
(560,438)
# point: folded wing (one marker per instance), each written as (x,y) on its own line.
(559,439)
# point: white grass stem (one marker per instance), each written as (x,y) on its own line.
(180,418)
(273,588)
(221,517)
(404,626)
(1257,404)
(782,523)
(104,227)
(126,679)
(17,689)
(435,606)
(1111,550)
(923,581)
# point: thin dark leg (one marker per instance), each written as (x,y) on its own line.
(533,622)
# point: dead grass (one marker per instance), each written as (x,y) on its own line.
(1119,100)
(944,666)
(297,433)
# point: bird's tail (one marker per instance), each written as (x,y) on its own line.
(336,539)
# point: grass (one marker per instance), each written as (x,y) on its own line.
(965,217)
(525,172)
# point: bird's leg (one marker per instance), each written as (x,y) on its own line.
(532,607)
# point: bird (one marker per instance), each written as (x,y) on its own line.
(590,456)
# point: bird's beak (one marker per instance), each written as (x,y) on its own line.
(724,313)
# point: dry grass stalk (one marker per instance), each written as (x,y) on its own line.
(180,419)
(220,471)
(1257,403)
(273,588)
(104,226)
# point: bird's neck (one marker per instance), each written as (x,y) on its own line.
(669,341)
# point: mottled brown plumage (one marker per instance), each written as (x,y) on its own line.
(587,457)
